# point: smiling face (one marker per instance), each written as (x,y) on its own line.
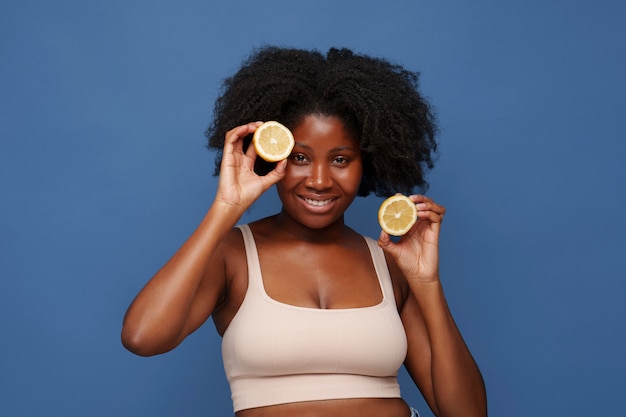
(323,173)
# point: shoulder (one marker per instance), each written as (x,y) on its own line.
(232,246)
(235,271)
(400,284)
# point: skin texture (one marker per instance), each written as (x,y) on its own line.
(207,276)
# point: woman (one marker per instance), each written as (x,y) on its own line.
(316,319)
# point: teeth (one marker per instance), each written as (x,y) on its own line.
(317,203)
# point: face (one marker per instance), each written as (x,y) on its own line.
(323,172)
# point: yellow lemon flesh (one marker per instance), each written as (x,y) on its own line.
(397,215)
(273,141)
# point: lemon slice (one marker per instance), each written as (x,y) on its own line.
(273,141)
(397,215)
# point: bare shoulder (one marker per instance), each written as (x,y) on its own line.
(232,244)
(400,285)
(233,255)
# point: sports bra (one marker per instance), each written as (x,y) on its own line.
(277,353)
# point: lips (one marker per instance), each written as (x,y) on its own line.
(317,203)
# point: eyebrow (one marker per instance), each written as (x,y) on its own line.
(337,149)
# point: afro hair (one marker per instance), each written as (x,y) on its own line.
(378,102)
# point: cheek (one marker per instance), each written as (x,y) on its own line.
(354,176)
(294,171)
(293,176)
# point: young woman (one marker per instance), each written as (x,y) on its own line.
(315,318)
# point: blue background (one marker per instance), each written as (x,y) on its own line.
(103,174)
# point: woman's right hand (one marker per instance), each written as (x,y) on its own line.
(189,287)
(239,186)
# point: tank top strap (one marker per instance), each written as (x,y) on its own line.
(380,265)
(252,257)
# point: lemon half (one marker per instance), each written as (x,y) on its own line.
(397,214)
(273,141)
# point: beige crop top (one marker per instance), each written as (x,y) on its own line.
(276,353)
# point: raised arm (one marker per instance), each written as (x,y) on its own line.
(438,359)
(187,289)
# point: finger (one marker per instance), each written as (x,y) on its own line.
(430,211)
(429,206)
(430,216)
(419,198)
(388,245)
(423,203)
(239,132)
(277,173)
(384,239)
(243,130)
(251,152)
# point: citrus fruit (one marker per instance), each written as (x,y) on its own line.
(397,215)
(273,141)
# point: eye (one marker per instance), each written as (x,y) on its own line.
(298,158)
(340,161)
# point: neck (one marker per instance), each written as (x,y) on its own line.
(332,233)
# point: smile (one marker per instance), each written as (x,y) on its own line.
(317,203)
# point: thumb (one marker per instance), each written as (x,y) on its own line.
(389,246)
(278,172)
(384,241)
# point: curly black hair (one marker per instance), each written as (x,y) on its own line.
(378,102)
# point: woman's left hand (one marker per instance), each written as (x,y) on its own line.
(417,252)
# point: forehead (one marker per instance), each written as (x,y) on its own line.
(319,132)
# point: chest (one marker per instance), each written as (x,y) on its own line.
(320,277)
(315,312)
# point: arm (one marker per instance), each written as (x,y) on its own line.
(187,289)
(438,359)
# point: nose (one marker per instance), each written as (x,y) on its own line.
(320,178)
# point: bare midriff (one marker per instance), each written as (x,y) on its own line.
(351,407)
